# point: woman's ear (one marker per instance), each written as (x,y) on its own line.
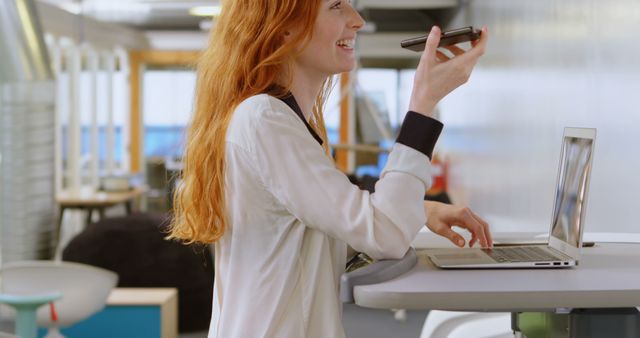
(290,33)
(287,36)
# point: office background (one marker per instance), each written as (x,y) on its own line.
(550,64)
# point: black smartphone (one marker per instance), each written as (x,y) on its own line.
(447,38)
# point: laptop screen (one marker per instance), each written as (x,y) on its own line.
(569,207)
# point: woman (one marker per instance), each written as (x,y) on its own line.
(258,181)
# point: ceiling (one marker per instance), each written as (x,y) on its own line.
(167,24)
(139,14)
(173,15)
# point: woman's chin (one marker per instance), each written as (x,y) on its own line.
(347,67)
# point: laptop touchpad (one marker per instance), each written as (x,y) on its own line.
(458,255)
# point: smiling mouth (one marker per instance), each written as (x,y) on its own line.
(346,43)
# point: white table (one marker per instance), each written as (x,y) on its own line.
(88,200)
(608,276)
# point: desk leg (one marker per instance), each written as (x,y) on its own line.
(59,227)
(89,213)
(515,325)
(129,206)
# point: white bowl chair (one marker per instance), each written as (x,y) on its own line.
(84,289)
(452,324)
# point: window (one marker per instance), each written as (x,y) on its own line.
(168,100)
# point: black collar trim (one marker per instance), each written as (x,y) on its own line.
(290,101)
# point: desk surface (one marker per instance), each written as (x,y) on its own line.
(97,198)
(608,276)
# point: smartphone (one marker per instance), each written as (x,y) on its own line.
(447,38)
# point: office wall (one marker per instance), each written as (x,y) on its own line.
(549,64)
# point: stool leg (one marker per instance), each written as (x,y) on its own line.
(59,226)
(26,321)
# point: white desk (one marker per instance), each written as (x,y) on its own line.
(608,276)
(94,200)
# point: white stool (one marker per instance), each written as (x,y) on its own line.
(84,289)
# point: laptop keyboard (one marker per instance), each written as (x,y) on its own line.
(520,254)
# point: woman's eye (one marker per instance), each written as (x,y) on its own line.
(336,5)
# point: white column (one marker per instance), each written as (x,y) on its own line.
(56,64)
(94,162)
(74,132)
(110,67)
(351,157)
(123,62)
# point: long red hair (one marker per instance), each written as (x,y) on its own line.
(247,55)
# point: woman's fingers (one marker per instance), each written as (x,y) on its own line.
(431,46)
(485,225)
(468,59)
(441,56)
(453,236)
(429,55)
(455,50)
(464,217)
(438,74)
(476,228)
(442,217)
(478,46)
(483,37)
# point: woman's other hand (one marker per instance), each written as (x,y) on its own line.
(442,217)
(438,74)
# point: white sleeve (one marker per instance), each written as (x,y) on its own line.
(295,169)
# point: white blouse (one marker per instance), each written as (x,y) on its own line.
(290,213)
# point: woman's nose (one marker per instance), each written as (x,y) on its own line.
(356,20)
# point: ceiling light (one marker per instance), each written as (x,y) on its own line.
(205,10)
(73,8)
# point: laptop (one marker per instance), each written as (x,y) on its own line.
(567,221)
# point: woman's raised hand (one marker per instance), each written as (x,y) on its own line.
(438,74)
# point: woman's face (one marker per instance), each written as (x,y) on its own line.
(331,48)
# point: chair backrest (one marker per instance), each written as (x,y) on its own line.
(84,288)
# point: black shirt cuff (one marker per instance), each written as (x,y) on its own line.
(420,132)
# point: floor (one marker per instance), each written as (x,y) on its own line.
(369,323)
(358,323)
